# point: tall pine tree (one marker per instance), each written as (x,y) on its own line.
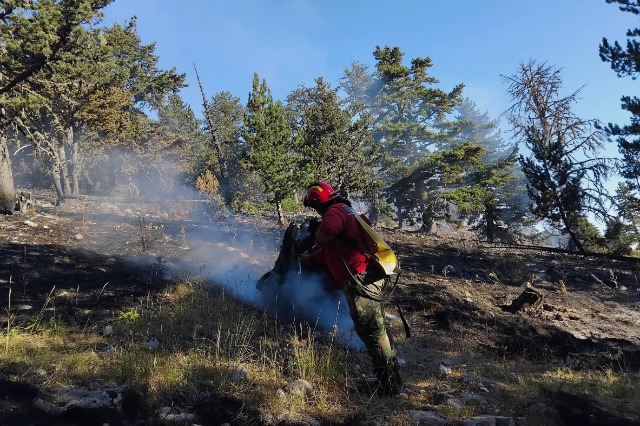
(273,148)
(625,61)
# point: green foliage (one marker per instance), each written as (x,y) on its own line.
(241,205)
(619,237)
(273,148)
(290,205)
(131,315)
(493,200)
(409,119)
(440,176)
(50,327)
(336,141)
(589,235)
(629,208)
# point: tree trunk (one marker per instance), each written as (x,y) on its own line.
(374,213)
(492,217)
(64,171)
(282,221)
(428,220)
(223,178)
(7,187)
(401,215)
(75,160)
(56,173)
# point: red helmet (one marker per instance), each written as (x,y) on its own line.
(318,193)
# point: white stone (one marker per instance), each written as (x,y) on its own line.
(428,417)
(152,342)
(444,370)
(239,374)
(300,387)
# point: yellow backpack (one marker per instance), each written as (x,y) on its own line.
(382,253)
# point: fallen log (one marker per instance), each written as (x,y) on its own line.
(529,301)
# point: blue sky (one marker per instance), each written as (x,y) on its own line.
(291,42)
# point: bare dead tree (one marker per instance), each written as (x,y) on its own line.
(565,174)
(223,176)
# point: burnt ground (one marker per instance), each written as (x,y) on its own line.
(97,256)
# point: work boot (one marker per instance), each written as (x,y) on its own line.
(389,379)
(396,372)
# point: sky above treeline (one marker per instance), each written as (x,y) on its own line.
(292,42)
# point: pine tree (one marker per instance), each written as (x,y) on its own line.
(273,148)
(223,149)
(338,144)
(625,61)
(492,201)
(410,120)
(32,35)
(563,170)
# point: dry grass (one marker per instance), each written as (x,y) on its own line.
(205,336)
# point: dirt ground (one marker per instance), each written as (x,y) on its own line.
(452,284)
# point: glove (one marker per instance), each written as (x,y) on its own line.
(305,260)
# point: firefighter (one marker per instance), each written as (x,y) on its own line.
(341,247)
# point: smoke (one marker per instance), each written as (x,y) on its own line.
(236,265)
(230,251)
(233,254)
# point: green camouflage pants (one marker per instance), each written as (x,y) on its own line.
(368,320)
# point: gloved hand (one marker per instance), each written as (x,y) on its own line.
(305,260)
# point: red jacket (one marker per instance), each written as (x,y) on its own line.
(340,236)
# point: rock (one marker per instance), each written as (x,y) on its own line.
(240,374)
(434,418)
(505,421)
(454,403)
(356,370)
(443,370)
(47,407)
(178,417)
(447,362)
(152,342)
(69,398)
(24,307)
(30,224)
(300,387)
(107,330)
(490,421)
(466,378)
(78,236)
(465,396)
